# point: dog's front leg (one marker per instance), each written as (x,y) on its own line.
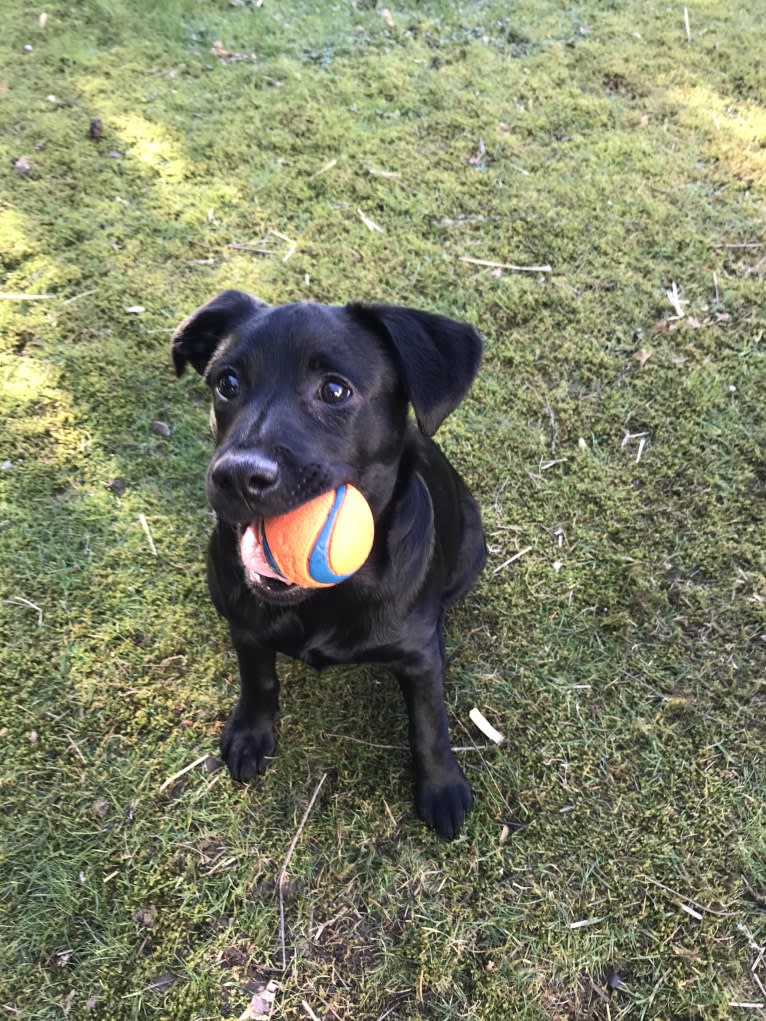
(442,794)
(248,738)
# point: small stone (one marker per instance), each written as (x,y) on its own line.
(160,428)
(212,764)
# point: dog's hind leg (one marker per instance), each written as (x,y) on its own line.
(472,554)
(248,740)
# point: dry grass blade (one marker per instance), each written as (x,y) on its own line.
(282,878)
(491,264)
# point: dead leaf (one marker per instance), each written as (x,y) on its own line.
(219,50)
(21,166)
(99,808)
(387,17)
(262,1003)
(642,356)
(146,917)
(162,983)
(665,324)
(235,956)
(476,160)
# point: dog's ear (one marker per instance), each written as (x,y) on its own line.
(198,336)
(437,357)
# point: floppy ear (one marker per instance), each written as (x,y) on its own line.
(437,357)
(199,335)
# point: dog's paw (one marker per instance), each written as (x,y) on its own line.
(247,748)
(443,807)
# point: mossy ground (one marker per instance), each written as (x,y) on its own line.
(620,449)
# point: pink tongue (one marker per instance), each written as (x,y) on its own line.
(253,556)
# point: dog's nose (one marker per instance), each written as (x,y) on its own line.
(249,474)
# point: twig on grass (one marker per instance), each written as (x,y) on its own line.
(681,897)
(480,720)
(367,744)
(309,1011)
(506,265)
(488,771)
(323,169)
(76,749)
(240,246)
(377,172)
(674,297)
(181,772)
(657,987)
(282,879)
(690,911)
(145,526)
(396,747)
(554,431)
(261,247)
(283,237)
(21,601)
(688,27)
(15,296)
(739,244)
(370,224)
(510,560)
(82,294)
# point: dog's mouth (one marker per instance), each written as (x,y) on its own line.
(259,572)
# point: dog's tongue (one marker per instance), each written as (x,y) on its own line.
(253,556)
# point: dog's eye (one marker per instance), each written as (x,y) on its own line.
(227,385)
(334,391)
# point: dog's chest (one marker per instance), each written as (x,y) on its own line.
(332,637)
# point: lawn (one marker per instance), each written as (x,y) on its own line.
(614,866)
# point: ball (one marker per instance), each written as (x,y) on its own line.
(322,542)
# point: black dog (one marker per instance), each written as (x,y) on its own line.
(305,398)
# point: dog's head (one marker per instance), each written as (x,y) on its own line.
(307,397)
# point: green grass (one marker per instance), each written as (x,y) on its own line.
(622,654)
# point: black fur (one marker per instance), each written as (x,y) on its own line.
(283,438)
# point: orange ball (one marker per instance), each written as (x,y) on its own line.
(322,542)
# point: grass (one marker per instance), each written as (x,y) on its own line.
(620,448)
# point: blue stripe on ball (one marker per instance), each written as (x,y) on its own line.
(319,560)
(267,552)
